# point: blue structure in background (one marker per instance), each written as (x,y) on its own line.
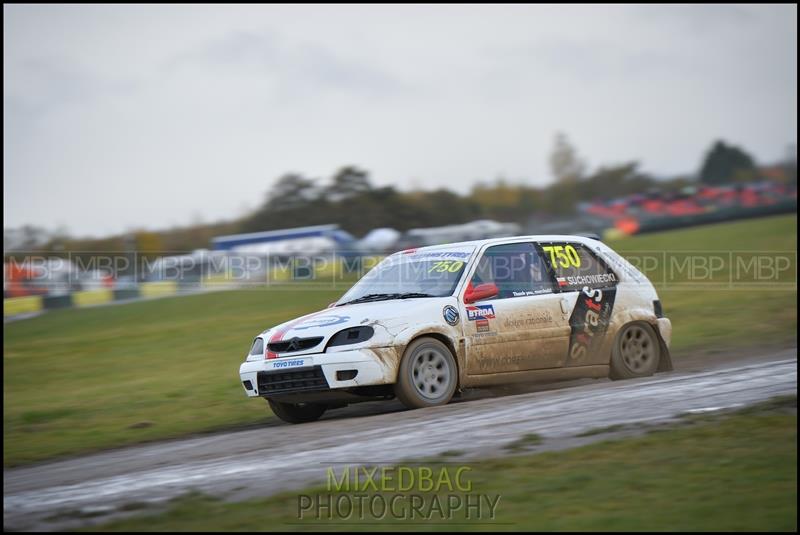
(340,240)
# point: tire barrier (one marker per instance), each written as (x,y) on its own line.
(718,216)
(629,226)
(87,298)
(14,306)
(120,294)
(158,289)
(52,302)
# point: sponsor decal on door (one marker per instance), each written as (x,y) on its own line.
(477,312)
(589,322)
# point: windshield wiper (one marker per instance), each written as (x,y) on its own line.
(385,297)
(370,297)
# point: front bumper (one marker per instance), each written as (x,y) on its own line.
(317,372)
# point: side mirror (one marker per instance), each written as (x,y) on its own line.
(481,291)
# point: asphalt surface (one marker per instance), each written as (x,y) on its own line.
(262,461)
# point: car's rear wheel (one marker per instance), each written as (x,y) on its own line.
(297,413)
(636,352)
(428,374)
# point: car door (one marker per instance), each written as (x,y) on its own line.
(524,325)
(587,286)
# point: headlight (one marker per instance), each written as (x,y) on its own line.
(353,335)
(258,347)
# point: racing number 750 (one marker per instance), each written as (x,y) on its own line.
(446,265)
(563,255)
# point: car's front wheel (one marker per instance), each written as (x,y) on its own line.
(428,374)
(636,352)
(297,413)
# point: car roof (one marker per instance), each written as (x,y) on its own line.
(508,239)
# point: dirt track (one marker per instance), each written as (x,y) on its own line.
(280,457)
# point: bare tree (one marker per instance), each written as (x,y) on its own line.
(565,164)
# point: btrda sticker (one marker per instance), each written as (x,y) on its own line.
(589,321)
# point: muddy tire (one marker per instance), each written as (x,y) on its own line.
(428,374)
(297,413)
(636,352)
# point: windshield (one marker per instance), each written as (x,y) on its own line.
(411,274)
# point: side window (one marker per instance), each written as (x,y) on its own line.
(575,266)
(516,268)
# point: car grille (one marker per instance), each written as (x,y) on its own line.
(300,380)
(294,344)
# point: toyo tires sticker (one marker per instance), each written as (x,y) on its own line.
(290,363)
(589,322)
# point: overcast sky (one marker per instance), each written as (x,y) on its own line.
(147,116)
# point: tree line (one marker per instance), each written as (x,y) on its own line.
(350,199)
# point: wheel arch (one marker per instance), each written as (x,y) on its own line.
(448,341)
(665,357)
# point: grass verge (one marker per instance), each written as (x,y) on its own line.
(87,379)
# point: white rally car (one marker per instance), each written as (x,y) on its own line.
(426,323)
